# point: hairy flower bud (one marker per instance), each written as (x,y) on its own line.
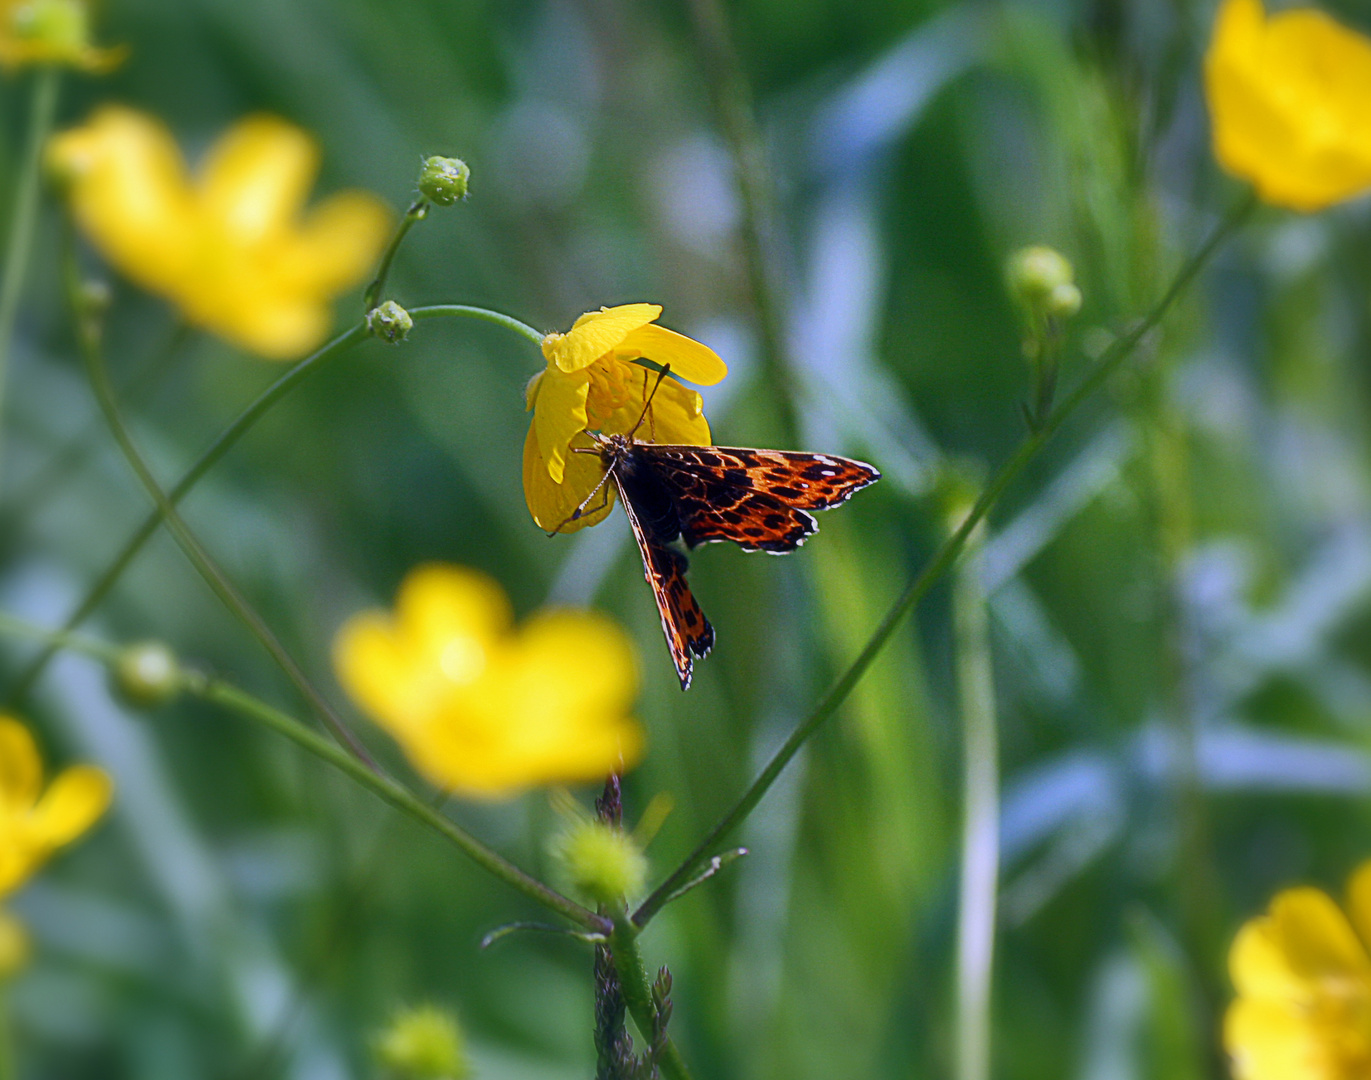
(390,322)
(423,1043)
(601,861)
(444,180)
(147,674)
(1034,272)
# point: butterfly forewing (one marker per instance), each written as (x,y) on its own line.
(688,632)
(759,499)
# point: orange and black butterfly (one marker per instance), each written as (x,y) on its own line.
(759,499)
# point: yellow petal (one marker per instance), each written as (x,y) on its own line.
(1359,901)
(1258,965)
(1316,937)
(1287,99)
(71,805)
(596,333)
(448,622)
(558,415)
(337,245)
(128,189)
(256,177)
(1269,1041)
(21,771)
(689,359)
(551,503)
(675,413)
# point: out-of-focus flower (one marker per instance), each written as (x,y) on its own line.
(423,1043)
(1303,976)
(231,246)
(51,32)
(34,823)
(14,946)
(483,709)
(1288,101)
(592,383)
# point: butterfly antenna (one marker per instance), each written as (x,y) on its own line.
(648,403)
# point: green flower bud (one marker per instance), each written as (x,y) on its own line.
(62,25)
(390,322)
(1064,301)
(444,180)
(1034,272)
(601,861)
(423,1044)
(147,674)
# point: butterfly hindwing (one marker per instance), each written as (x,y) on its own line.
(688,633)
(759,499)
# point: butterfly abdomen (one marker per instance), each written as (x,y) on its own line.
(653,503)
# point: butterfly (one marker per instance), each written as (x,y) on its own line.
(759,499)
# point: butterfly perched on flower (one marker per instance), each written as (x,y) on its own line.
(759,499)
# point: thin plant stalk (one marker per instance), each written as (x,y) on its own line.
(88,333)
(225,442)
(1112,359)
(636,988)
(980,815)
(418,210)
(19,246)
(218,692)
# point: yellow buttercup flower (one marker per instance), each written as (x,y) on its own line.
(591,382)
(229,247)
(483,709)
(51,32)
(1288,97)
(34,823)
(1303,976)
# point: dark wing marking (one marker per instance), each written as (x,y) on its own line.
(688,633)
(759,499)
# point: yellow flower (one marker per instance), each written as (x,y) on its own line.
(231,247)
(34,823)
(1303,976)
(51,32)
(1288,98)
(483,709)
(591,382)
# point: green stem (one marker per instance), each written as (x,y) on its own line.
(397,796)
(221,693)
(88,334)
(9,1069)
(435,311)
(981,817)
(19,246)
(227,439)
(1110,362)
(418,210)
(636,987)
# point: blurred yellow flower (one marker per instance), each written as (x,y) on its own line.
(1288,98)
(51,32)
(1303,976)
(483,709)
(231,247)
(591,382)
(34,823)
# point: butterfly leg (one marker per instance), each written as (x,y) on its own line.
(575,515)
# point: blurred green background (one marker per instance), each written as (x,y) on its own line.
(1187,568)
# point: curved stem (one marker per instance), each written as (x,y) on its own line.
(946,555)
(226,440)
(635,986)
(25,219)
(434,311)
(88,333)
(418,210)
